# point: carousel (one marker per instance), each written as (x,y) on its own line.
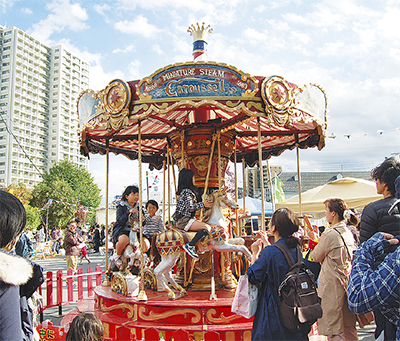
(198,115)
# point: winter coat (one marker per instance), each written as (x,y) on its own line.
(24,246)
(268,271)
(333,278)
(375,218)
(19,279)
(71,242)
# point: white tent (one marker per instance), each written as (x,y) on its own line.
(357,193)
(254,206)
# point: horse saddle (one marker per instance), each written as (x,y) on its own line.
(172,240)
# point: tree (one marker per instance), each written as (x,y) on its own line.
(20,191)
(32,217)
(63,188)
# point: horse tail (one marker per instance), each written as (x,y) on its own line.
(154,251)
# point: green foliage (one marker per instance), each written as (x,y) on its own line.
(69,185)
(20,191)
(32,217)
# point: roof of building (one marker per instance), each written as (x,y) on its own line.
(313,179)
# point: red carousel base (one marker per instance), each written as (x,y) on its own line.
(193,317)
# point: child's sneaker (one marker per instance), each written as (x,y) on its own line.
(191,251)
(117,260)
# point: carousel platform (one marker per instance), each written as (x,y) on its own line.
(193,317)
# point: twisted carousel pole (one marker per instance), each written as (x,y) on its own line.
(163,200)
(142,293)
(106,279)
(237,227)
(244,189)
(261,174)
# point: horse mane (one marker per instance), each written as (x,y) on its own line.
(208,211)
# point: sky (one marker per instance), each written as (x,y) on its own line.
(351,48)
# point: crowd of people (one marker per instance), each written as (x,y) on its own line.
(359,269)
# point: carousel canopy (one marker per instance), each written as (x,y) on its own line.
(191,96)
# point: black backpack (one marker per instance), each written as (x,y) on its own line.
(298,301)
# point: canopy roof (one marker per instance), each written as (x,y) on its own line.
(357,193)
(197,94)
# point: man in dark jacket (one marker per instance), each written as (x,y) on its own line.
(375,217)
(71,242)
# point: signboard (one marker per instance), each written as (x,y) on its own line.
(197,80)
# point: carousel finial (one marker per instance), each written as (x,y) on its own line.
(199,34)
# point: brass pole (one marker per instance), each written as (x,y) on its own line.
(261,175)
(244,189)
(169,188)
(163,208)
(142,293)
(173,174)
(236,192)
(183,149)
(209,166)
(298,176)
(219,161)
(106,280)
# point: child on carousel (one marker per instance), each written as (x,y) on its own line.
(128,206)
(186,208)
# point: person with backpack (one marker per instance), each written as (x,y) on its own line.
(334,251)
(269,268)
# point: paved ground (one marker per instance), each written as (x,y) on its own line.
(54,264)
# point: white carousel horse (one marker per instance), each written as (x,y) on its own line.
(131,252)
(170,243)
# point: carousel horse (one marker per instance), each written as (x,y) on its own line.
(169,244)
(131,252)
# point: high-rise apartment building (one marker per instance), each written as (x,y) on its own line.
(39,88)
(252,181)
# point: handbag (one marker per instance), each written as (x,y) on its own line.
(246,298)
(365,319)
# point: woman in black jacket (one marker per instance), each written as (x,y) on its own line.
(375,217)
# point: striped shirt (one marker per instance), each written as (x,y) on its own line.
(153,225)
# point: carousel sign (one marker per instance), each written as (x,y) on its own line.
(197,80)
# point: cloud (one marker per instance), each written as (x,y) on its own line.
(4,4)
(64,15)
(157,49)
(133,70)
(26,10)
(139,25)
(129,48)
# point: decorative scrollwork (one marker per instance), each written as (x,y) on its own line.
(174,312)
(221,318)
(132,311)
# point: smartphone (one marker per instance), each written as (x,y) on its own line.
(254,224)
